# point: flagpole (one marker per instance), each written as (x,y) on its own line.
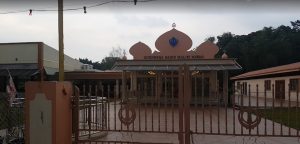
(61,40)
(8,72)
(10,77)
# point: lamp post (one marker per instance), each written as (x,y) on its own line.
(61,40)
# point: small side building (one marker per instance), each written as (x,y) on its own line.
(279,83)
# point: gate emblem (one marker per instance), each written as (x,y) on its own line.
(248,123)
(127,114)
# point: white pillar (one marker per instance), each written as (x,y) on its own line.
(133,81)
(123,84)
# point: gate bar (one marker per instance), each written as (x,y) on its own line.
(289,106)
(249,105)
(180,104)
(187,97)
(265,107)
(233,110)
(77,108)
(257,128)
(273,103)
(165,99)
(172,92)
(202,97)
(145,87)
(196,104)
(297,119)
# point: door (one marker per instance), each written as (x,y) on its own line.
(280,89)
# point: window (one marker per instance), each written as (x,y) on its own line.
(268,84)
(238,85)
(294,84)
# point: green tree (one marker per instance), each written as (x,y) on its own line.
(85,61)
(264,48)
(211,39)
(296,25)
(108,62)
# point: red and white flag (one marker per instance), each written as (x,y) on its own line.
(11,90)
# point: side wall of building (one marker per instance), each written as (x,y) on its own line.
(18,53)
(261,87)
(51,60)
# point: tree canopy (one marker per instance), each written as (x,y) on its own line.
(264,48)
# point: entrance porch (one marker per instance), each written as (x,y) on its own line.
(158,80)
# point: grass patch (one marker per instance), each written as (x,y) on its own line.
(289,117)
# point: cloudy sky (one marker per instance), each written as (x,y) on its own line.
(122,24)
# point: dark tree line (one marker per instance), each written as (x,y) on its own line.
(106,63)
(264,48)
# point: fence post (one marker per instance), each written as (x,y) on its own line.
(48,112)
(187,97)
(249,105)
(257,128)
(273,103)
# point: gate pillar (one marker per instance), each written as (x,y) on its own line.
(184,104)
(48,113)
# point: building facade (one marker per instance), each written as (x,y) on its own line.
(25,61)
(279,83)
(156,74)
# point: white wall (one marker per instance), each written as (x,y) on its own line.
(18,53)
(261,82)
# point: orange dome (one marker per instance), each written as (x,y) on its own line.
(207,49)
(139,50)
(173,40)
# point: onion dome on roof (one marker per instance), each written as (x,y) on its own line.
(139,50)
(174,41)
(207,49)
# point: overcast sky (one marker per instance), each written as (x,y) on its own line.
(94,34)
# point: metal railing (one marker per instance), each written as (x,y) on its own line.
(180,112)
(279,115)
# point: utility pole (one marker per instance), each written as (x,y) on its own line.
(61,39)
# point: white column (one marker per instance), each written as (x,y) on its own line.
(133,81)
(123,84)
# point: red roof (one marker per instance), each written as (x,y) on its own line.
(268,71)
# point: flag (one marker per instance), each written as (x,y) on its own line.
(11,90)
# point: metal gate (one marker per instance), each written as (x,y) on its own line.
(103,116)
(175,107)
